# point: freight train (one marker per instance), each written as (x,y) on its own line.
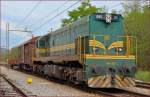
(94,50)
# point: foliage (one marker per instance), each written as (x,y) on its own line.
(114,11)
(84,9)
(3,55)
(136,21)
(143,75)
(13,53)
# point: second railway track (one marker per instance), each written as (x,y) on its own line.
(9,89)
(143,84)
(121,93)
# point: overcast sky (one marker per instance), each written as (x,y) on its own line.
(14,12)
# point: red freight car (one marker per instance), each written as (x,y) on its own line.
(13,62)
(27,53)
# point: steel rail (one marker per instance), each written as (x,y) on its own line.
(137,94)
(142,84)
(19,91)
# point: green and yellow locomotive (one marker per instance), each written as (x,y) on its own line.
(94,50)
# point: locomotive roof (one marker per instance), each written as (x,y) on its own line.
(72,24)
(60,29)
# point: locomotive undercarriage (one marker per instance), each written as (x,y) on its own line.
(69,71)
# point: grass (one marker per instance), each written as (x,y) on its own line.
(143,75)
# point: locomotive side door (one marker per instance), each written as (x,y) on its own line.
(81,47)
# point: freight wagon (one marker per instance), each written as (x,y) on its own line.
(24,55)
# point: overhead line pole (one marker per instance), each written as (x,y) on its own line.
(30,32)
(7,37)
(7,41)
(0,45)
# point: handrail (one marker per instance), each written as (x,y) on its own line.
(131,37)
(81,49)
(84,52)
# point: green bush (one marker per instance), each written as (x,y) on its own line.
(143,75)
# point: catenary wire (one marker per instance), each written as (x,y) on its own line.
(54,11)
(30,12)
(55,16)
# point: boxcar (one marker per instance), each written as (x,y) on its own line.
(24,56)
(27,54)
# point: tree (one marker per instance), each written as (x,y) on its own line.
(84,9)
(3,54)
(114,11)
(136,21)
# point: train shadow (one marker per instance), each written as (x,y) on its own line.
(110,90)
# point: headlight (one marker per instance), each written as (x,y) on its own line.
(108,18)
(120,49)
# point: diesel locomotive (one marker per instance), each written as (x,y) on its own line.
(94,50)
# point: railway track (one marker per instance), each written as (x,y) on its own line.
(9,89)
(142,84)
(128,92)
(113,92)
